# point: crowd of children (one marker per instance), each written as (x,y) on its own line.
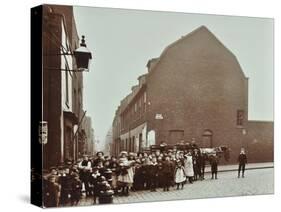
(103,175)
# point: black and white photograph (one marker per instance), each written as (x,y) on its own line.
(135,106)
(131,106)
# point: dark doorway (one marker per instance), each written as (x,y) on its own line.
(140,142)
(133,144)
(68,145)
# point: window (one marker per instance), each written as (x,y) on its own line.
(66,86)
(139,109)
(74,101)
(240,117)
(133,145)
(144,102)
(125,145)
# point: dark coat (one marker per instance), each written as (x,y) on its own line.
(153,170)
(94,179)
(214,163)
(168,167)
(76,189)
(65,181)
(97,161)
(242,159)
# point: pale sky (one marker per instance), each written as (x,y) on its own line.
(122,41)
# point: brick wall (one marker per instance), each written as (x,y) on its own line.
(198,86)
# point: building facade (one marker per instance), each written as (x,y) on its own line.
(196,90)
(62,88)
(87,144)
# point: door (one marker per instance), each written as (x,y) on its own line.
(140,142)
(68,145)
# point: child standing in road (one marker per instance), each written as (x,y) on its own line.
(76,190)
(214,166)
(179,175)
(153,174)
(94,179)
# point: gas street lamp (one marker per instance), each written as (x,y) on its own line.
(82,56)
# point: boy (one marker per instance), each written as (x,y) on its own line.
(242,159)
(153,174)
(214,166)
(76,190)
(167,173)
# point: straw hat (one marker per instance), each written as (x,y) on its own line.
(124,153)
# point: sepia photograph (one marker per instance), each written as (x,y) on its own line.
(143,106)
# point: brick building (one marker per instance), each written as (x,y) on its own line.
(62,88)
(87,144)
(197,90)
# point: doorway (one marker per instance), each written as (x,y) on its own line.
(140,142)
(207,140)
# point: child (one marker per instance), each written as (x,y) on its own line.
(188,167)
(138,177)
(126,175)
(179,175)
(242,159)
(95,176)
(167,173)
(113,166)
(52,192)
(153,174)
(214,166)
(76,190)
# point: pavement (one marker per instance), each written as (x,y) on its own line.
(259,179)
(234,167)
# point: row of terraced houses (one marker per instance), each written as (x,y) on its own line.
(196,90)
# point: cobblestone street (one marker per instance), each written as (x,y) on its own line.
(256,181)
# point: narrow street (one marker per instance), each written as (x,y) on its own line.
(256,181)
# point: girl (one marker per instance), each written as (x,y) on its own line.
(126,174)
(188,167)
(179,175)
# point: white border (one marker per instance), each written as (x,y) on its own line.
(15,106)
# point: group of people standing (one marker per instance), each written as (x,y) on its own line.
(129,172)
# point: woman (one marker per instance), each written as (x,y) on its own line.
(188,167)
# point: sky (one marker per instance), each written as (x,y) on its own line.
(122,41)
